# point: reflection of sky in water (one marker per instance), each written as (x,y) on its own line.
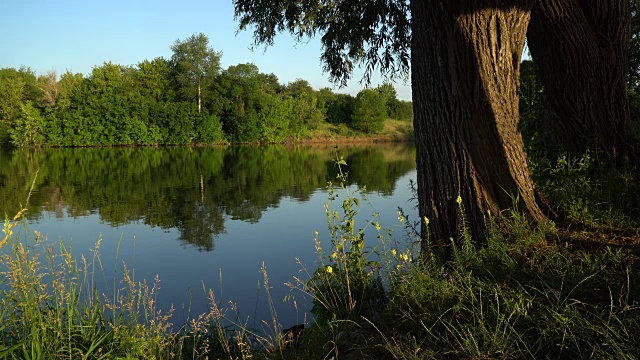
(282,234)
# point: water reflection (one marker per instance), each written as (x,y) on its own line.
(192,190)
(162,211)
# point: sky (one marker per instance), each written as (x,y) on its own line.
(78,35)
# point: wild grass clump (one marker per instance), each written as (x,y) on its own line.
(51,308)
(350,280)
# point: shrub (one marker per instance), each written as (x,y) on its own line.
(369,112)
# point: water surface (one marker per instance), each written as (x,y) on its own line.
(202,217)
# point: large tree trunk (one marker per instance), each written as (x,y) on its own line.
(580,48)
(465,58)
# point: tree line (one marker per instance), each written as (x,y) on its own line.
(186,99)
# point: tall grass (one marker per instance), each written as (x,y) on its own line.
(51,308)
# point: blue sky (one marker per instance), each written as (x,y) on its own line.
(78,35)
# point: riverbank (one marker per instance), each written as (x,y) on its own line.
(332,134)
(325,133)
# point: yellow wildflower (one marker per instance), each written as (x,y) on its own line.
(459,200)
(426,220)
(329,269)
(393,252)
(404,257)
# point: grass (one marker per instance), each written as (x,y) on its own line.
(527,293)
(520,297)
(394,130)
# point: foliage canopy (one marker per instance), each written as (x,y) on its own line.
(381,39)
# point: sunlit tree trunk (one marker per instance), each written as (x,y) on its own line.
(581,50)
(465,58)
(199,99)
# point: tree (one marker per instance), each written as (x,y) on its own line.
(240,86)
(48,85)
(11,90)
(110,78)
(339,107)
(307,112)
(581,50)
(28,128)
(298,88)
(465,61)
(195,66)
(401,110)
(396,109)
(464,66)
(369,111)
(16,88)
(69,88)
(274,117)
(390,96)
(153,76)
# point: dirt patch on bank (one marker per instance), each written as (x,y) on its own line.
(394,131)
(354,139)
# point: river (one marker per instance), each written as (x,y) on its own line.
(204,217)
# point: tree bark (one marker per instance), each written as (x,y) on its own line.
(581,50)
(465,61)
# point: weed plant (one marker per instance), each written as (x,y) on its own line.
(352,279)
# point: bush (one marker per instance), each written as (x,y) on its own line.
(209,129)
(369,112)
(339,108)
(29,128)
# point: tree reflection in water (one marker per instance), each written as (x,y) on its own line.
(191,189)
